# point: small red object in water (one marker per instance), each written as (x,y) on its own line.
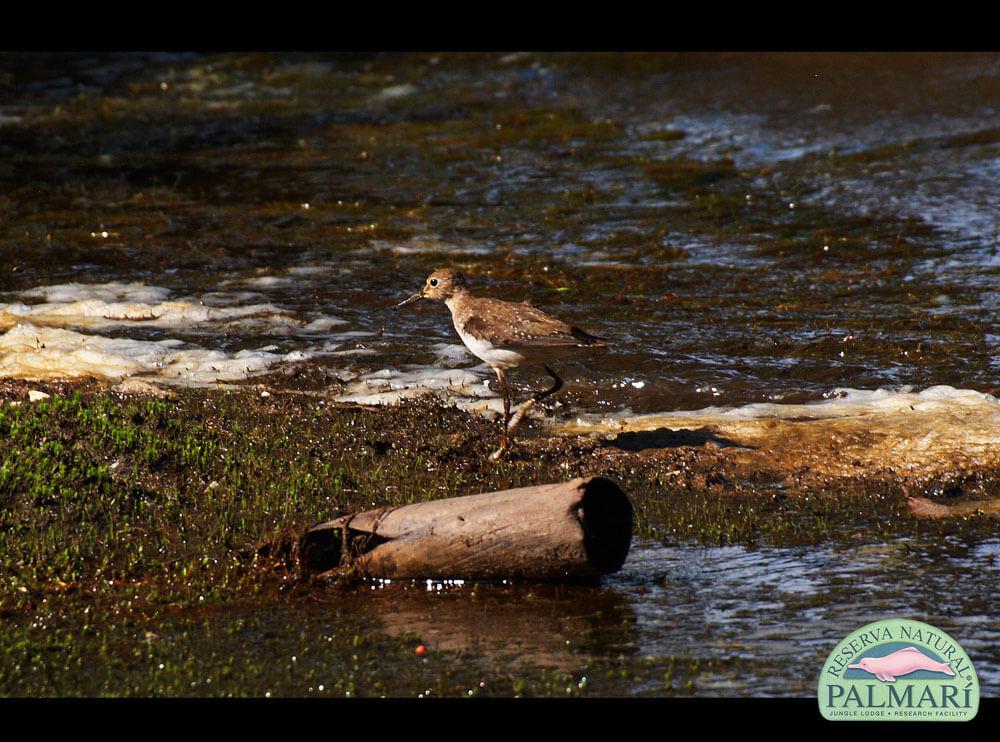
(421,650)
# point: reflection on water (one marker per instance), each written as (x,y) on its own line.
(786,609)
(761,621)
(517,626)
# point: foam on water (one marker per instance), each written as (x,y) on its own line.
(916,432)
(64,293)
(32,352)
(46,339)
(840,403)
(97,306)
(430,244)
(452,354)
(465,388)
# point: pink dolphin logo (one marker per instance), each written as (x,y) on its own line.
(901,662)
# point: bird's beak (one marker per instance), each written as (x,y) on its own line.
(417,296)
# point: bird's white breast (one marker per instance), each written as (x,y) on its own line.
(496,357)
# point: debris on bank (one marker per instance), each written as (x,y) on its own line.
(939,431)
(580,529)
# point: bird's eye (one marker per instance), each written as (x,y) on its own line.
(434,282)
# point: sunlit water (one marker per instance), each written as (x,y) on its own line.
(773,615)
(788,608)
(678,619)
(302,197)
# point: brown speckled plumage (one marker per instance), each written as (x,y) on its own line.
(505,334)
(505,324)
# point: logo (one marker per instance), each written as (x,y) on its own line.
(898,670)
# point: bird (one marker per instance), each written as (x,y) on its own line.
(506,335)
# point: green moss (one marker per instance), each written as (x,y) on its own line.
(129,529)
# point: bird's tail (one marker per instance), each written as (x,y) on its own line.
(586,338)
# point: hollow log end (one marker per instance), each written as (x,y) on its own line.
(319,549)
(606,515)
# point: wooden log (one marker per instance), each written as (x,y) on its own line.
(580,529)
(921,507)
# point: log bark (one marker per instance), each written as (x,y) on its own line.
(580,529)
(921,507)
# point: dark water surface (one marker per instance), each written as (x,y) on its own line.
(746,228)
(677,621)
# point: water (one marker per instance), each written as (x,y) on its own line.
(746,229)
(677,620)
(777,613)
(761,622)
(835,225)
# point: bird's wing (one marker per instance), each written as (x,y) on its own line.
(575,338)
(523,325)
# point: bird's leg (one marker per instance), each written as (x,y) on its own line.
(519,415)
(555,387)
(506,404)
(528,404)
(506,415)
(510,424)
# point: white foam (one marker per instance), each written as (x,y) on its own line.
(32,352)
(464,388)
(397,91)
(451,354)
(96,306)
(108,292)
(324,324)
(107,305)
(268,282)
(923,433)
(841,403)
(56,337)
(429,244)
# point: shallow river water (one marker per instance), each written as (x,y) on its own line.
(678,620)
(744,228)
(762,621)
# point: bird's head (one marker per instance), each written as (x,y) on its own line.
(440,285)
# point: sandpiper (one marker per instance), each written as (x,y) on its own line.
(506,335)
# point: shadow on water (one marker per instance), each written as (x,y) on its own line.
(642,440)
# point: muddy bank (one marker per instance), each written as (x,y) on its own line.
(131,524)
(103,470)
(940,432)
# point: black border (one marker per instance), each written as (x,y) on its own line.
(472,717)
